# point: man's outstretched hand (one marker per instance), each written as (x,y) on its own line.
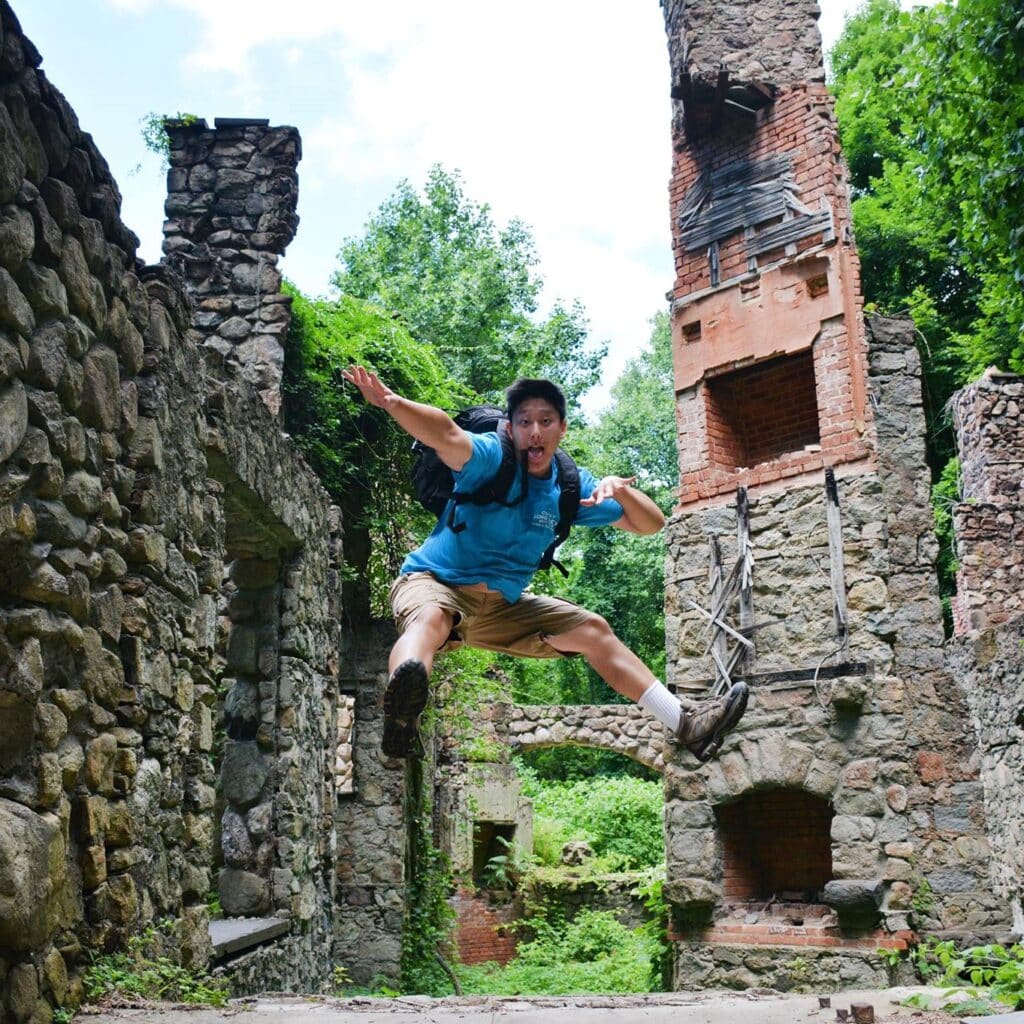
(369,386)
(608,487)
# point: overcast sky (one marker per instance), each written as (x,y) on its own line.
(554,111)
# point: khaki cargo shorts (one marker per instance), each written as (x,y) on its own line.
(484,618)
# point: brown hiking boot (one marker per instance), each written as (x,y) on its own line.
(404,700)
(705,723)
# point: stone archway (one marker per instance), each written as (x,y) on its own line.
(621,728)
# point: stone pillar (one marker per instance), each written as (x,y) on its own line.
(370,860)
(232,194)
(989,520)
(988,608)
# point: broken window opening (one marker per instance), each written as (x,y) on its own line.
(760,412)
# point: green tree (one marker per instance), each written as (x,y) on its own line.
(930,104)
(468,289)
(911,258)
(969,94)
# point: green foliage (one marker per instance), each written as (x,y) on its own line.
(650,888)
(154,133)
(142,971)
(567,764)
(428,916)
(946,494)
(362,459)
(464,680)
(213,904)
(63,1015)
(341,980)
(923,900)
(617,816)
(928,102)
(999,970)
(504,870)
(968,92)
(592,953)
(467,289)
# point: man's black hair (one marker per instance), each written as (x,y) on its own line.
(534,387)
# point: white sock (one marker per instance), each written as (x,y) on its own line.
(662,704)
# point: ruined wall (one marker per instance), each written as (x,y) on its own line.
(804,524)
(232,193)
(371,855)
(988,653)
(764,43)
(888,744)
(134,477)
(989,519)
(622,728)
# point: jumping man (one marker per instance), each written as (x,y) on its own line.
(465,584)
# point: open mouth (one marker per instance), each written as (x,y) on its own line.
(535,453)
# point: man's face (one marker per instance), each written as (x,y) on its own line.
(537,429)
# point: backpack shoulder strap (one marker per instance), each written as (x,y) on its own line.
(495,491)
(568,506)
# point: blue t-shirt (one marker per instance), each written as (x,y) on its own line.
(502,546)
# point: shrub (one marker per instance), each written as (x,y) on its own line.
(141,971)
(592,954)
(619,816)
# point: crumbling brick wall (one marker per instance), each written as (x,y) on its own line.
(987,654)
(989,519)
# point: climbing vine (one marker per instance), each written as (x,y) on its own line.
(428,916)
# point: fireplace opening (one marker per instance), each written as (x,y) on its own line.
(762,411)
(777,849)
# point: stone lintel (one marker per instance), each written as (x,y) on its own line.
(234,934)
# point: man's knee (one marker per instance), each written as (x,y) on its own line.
(592,631)
(432,619)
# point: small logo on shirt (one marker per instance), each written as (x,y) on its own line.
(545,519)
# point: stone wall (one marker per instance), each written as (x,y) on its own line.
(883,737)
(231,200)
(991,666)
(370,860)
(167,597)
(769,42)
(988,654)
(989,519)
(622,728)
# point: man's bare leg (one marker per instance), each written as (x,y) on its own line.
(422,639)
(410,665)
(698,725)
(607,655)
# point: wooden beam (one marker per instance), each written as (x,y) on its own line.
(724,626)
(746,561)
(718,103)
(836,561)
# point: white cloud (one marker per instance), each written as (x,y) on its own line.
(555,112)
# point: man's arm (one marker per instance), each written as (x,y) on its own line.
(434,427)
(640,514)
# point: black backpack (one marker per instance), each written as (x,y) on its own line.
(433,483)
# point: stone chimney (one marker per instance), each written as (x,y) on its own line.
(844,813)
(232,194)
